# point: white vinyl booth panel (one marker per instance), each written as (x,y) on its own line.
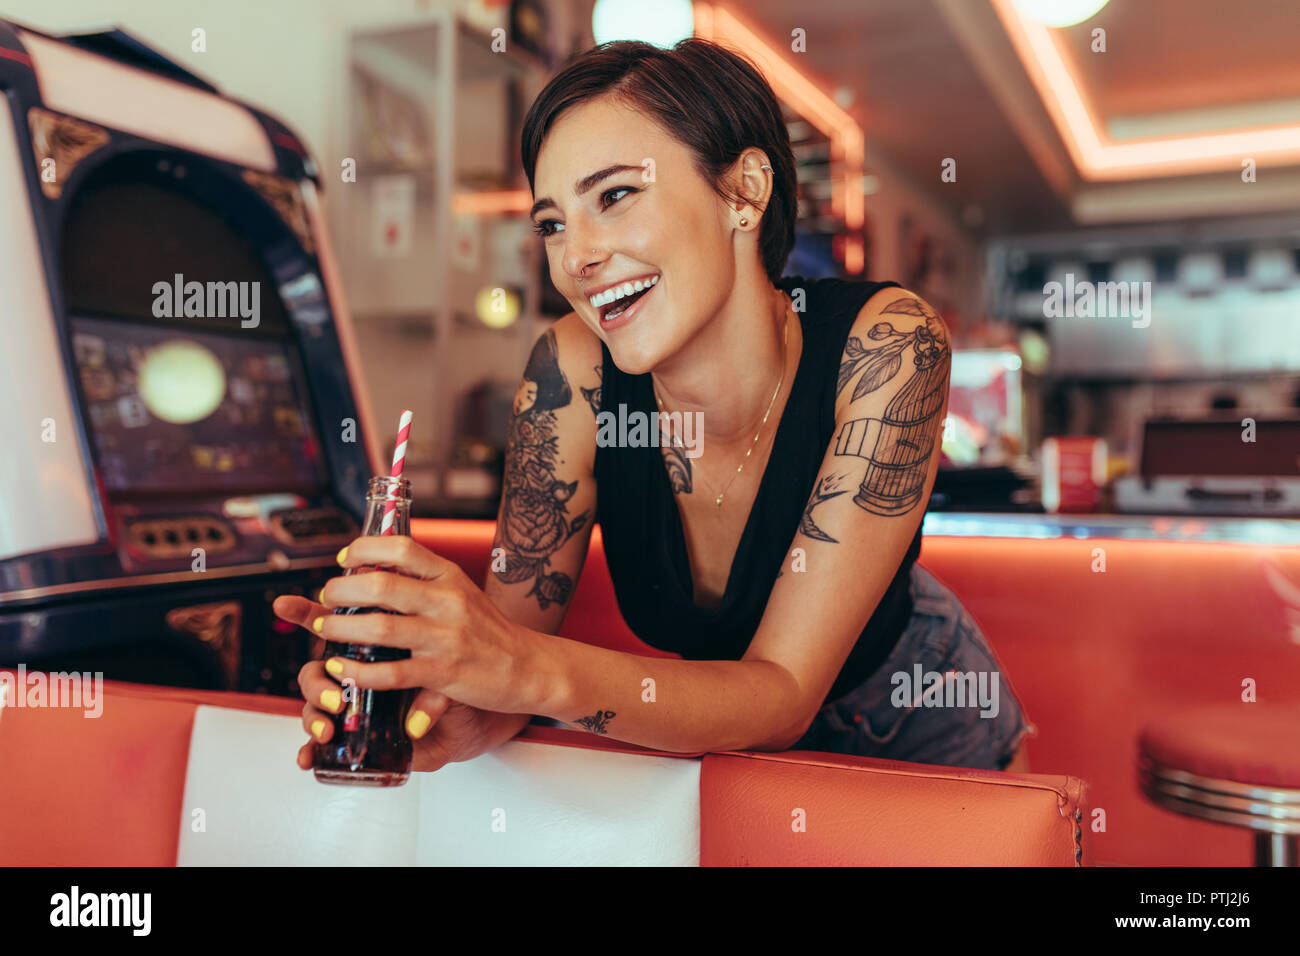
(526,803)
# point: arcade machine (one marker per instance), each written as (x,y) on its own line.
(181,440)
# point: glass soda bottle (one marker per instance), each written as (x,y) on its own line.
(369,746)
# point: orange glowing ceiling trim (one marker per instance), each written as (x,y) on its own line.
(713,22)
(491,203)
(1094,154)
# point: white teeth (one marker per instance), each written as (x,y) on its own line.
(620,291)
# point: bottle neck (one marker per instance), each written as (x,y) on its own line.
(385,496)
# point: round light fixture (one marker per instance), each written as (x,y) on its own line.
(181,381)
(496,307)
(662,23)
(1060,13)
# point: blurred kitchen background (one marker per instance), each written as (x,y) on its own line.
(976,151)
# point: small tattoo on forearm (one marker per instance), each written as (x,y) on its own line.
(596,723)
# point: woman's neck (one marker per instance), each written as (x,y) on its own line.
(730,369)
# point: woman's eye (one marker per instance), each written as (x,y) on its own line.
(548,227)
(610,192)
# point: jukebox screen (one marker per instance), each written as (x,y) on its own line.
(194,410)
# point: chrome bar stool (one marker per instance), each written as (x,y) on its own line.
(1237,764)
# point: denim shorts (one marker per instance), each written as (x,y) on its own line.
(963,714)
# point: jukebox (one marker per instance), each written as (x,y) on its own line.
(182,436)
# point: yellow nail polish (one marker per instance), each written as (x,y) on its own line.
(334,666)
(320,596)
(318,625)
(317,728)
(417,723)
(343,555)
(330,700)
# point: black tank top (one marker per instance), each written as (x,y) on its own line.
(645,546)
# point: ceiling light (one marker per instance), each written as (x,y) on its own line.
(662,23)
(1060,13)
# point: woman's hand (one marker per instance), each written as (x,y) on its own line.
(458,732)
(462,646)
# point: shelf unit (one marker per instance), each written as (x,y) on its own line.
(432,119)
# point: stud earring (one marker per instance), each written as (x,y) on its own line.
(744,222)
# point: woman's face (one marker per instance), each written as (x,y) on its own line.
(657,217)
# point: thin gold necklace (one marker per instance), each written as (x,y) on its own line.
(785,338)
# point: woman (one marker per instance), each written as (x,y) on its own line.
(768,535)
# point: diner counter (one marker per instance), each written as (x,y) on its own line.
(976,524)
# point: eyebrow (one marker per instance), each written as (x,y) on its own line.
(583,185)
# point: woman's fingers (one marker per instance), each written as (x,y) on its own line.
(375,627)
(396,551)
(297,610)
(424,712)
(379,588)
(317,723)
(319,690)
(305,756)
(380,675)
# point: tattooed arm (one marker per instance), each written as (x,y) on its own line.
(861,517)
(548,499)
(869,498)
(862,514)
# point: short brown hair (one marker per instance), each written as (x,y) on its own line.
(709,98)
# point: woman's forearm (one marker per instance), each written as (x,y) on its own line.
(666,704)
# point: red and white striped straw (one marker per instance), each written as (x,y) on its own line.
(399,459)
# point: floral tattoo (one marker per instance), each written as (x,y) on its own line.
(534,520)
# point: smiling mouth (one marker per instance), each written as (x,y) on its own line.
(611,310)
(615,309)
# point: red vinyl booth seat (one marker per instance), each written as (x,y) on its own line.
(112,791)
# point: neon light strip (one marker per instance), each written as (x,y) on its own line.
(1094,155)
(492,203)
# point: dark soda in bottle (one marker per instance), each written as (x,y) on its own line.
(370,746)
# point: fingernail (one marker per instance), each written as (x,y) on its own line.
(317,728)
(343,555)
(417,723)
(334,666)
(330,700)
(320,596)
(318,625)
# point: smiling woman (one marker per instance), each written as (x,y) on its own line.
(665,188)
